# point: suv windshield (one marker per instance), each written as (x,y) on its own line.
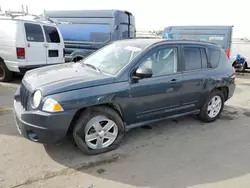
(112,58)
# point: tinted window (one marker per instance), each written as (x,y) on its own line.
(34,32)
(192,58)
(214,57)
(51,34)
(204,58)
(162,62)
(85,32)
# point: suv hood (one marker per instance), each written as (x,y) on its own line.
(64,77)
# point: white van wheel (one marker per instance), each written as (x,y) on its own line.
(5,73)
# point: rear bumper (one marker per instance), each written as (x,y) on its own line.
(68,58)
(231,89)
(40,126)
(24,69)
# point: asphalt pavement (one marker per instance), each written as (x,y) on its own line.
(183,152)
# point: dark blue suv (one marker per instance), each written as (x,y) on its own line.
(126,84)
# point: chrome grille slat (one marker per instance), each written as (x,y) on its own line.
(24,96)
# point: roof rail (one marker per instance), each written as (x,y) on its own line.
(148,37)
(14,14)
(193,40)
(25,12)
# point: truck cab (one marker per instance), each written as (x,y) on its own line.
(85,31)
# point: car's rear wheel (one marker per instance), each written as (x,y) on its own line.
(213,107)
(5,74)
(98,130)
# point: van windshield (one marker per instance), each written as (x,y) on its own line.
(85,32)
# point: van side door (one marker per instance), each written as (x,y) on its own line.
(35,49)
(195,76)
(54,45)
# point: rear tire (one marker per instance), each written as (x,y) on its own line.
(90,136)
(5,74)
(211,111)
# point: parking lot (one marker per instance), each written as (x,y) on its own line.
(176,153)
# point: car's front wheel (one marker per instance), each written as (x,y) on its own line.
(98,130)
(213,107)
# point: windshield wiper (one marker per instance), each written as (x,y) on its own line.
(92,66)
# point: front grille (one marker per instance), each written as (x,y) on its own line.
(24,96)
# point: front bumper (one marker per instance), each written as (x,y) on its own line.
(40,126)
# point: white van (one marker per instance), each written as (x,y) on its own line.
(26,43)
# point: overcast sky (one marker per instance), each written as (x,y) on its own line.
(157,14)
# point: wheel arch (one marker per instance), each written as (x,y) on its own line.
(246,65)
(115,106)
(1,59)
(77,58)
(224,90)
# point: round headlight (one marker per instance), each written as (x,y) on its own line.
(37,97)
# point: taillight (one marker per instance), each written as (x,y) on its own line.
(227,51)
(20,52)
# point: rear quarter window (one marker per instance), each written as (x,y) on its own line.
(214,57)
(34,32)
(51,34)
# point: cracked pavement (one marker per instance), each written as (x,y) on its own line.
(176,153)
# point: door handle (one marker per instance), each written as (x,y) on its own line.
(173,81)
(46,45)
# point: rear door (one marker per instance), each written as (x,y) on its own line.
(194,76)
(54,45)
(35,49)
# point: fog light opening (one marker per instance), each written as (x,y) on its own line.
(32,136)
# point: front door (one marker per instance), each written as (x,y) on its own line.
(35,51)
(158,96)
(54,45)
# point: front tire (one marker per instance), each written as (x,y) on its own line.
(213,107)
(5,74)
(98,130)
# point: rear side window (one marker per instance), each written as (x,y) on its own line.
(204,58)
(214,57)
(51,34)
(34,32)
(192,58)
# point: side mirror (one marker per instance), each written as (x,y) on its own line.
(142,72)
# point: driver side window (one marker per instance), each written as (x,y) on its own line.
(162,62)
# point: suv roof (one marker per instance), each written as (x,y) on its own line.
(151,41)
